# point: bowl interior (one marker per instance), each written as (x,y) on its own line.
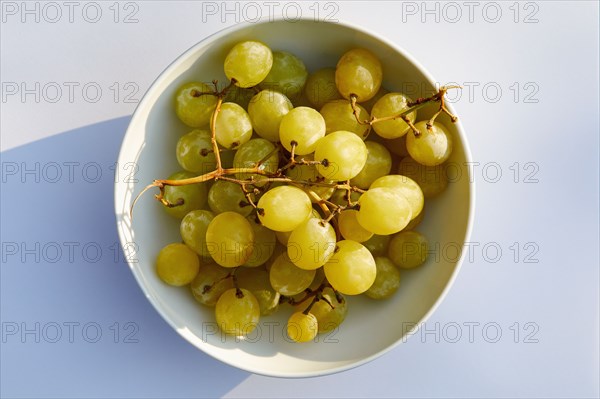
(371,327)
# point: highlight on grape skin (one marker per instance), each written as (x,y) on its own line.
(298,187)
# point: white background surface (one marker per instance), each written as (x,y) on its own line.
(541,298)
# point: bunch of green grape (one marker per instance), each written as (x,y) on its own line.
(332,206)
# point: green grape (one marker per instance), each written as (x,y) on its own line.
(432,179)
(252,152)
(377,244)
(338,115)
(288,74)
(340,197)
(304,126)
(230,239)
(237,312)
(317,280)
(383,210)
(302,327)
(279,249)
(177,265)
(192,108)
(284,208)
(210,283)
(342,155)
(408,249)
(379,163)
(283,237)
(225,196)
(184,198)
(287,278)
(328,317)
(387,280)
(264,243)
(405,186)
(320,87)
(233,126)
(368,105)
(350,228)
(432,147)
(266,110)
(248,63)
(311,174)
(358,72)
(311,244)
(193,231)
(195,153)
(416,221)
(351,270)
(390,105)
(257,282)
(240,96)
(396,146)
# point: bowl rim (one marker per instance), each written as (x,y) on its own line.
(278,19)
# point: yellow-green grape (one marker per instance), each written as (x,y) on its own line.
(405,186)
(266,109)
(225,196)
(302,327)
(240,96)
(193,108)
(177,265)
(233,126)
(339,115)
(252,152)
(193,231)
(329,318)
(284,208)
(350,228)
(287,278)
(237,312)
(311,244)
(257,282)
(340,197)
(248,63)
(230,239)
(351,270)
(379,163)
(396,146)
(279,249)
(184,198)
(288,74)
(432,147)
(383,210)
(320,87)
(378,245)
(416,221)
(408,249)
(210,283)
(195,153)
(341,154)
(358,72)
(392,104)
(432,179)
(303,126)
(310,173)
(368,105)
(387,280)
(283,237)
(264,243)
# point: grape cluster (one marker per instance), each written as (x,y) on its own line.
(287,195)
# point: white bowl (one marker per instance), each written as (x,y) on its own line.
(372,327)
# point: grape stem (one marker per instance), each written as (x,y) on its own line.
(412,106)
